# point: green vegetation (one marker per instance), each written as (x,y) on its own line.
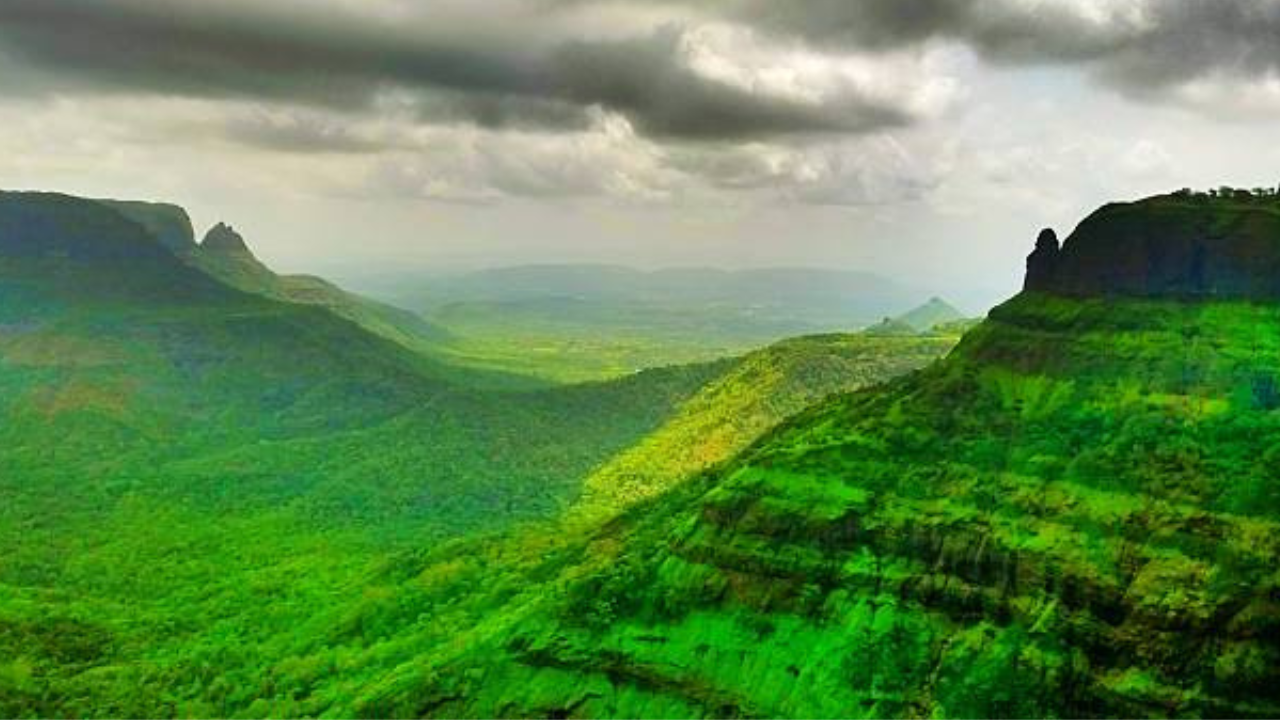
(216,499)
(587,322)
(931,314)
(762,389)
(1075,514)
(221,504)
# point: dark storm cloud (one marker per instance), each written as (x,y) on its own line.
(640,78)
(338,60)
(1141,47)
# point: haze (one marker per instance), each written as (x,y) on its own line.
(925,141)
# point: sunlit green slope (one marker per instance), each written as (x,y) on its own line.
(1077,513)
(759,391)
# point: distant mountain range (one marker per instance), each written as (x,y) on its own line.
(812,297)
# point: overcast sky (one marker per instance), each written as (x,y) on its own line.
(922,139)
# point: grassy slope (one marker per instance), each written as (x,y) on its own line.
(1075,514)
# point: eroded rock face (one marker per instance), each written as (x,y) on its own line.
(1043,261)
(1165,247)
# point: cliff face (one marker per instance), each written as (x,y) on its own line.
(169,224)
(1170,246)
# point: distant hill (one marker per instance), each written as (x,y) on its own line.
(575,322)
(931,314)
(811,297)
(891,327)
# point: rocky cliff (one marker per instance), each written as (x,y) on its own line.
(1173,246)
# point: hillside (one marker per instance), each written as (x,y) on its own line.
(1075,514)
(224,254)
(759,391)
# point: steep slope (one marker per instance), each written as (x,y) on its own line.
(224,254)
(1076,513)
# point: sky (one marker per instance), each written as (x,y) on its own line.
(925,140)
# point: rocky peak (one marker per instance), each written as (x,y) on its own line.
(223,238)
(1042,261)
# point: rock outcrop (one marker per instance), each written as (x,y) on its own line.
(223,239)
(1043,261)
(1168,246)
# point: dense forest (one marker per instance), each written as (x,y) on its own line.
(222,500)
(214,485)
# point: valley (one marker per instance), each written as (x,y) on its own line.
(199,460)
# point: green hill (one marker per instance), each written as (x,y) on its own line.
(213,488)
(225,255)
(1075,514)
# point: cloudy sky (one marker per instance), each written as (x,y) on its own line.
(927,139)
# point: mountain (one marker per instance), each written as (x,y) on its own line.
(824,294)
(1177,246)
(931,314)
(1076,513)
(224,254)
